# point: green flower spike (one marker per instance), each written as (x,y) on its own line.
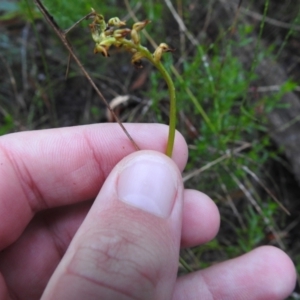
(110,34)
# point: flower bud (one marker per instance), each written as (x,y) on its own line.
(121,33)
(96,36)
(162,48)
(99,19)
(116,22)
(138,26)
(135,30)
(109,31)
(101,49)
(97,27)
(136,60)
(135,36)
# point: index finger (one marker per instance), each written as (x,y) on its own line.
(56,167)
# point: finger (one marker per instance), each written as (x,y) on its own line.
(201,219)
(262,274)
(128,245)
(56,167)
(3,289)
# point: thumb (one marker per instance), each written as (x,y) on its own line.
(128,245)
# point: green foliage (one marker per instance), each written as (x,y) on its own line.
(253,233)
(65,12)
(224,115)
(154,9)
(221,95)
(9,10)
(7,125)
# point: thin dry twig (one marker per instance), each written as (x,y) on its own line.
(231,203)
(269,89)
(254,176)
(207,19)
(182,36)
(181,24)
(216,161)
(61,34)
(251,199)
(269,20)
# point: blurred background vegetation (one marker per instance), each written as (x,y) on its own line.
(236,70)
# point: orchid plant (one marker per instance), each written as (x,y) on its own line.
(114,33)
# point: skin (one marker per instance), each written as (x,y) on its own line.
(57,243)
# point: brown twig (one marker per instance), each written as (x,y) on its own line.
(227,155)
(62,35)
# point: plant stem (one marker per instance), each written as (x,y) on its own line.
(172,114)
(185,265)
(171,88)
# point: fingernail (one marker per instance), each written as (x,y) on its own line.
(148,183)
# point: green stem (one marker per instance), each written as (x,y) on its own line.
(172,116)
(185,265)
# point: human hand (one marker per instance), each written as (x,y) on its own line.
(55,242)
